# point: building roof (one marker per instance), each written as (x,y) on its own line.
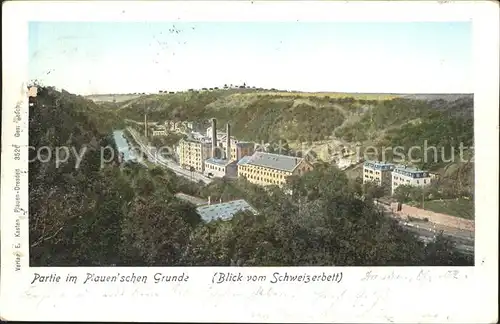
(222,162)
(409,170)
(244,143)
(273,161)
(379,165)
(244,160)
(197,141)
(224,210)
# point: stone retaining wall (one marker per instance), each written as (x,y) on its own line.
(438,218)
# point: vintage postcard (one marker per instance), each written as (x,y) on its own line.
(250,161)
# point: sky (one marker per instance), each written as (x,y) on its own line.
(127,57)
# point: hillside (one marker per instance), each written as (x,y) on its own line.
(98,214)
(100,98)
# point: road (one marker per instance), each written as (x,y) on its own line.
(167,163)
(425,230)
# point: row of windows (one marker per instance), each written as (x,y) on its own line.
(408,181)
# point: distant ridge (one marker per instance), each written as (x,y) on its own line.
(415,96)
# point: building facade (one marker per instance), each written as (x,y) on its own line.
(378,172)
(224,210)
(271,169)
(159,130)
(193,153)
(220,168)
(409,176)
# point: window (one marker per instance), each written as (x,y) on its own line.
(418,181)
(425,181)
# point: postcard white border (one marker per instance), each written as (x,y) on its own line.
(419,294)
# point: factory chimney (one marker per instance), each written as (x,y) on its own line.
(228,142)
(145,125)
(214,138)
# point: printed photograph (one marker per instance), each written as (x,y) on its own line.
(251,144)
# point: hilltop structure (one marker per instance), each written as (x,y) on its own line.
(378,172)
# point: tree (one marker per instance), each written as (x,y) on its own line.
(403,193)
(131,215)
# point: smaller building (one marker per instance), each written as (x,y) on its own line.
(225,210)
(241,149)
(32,91)
(404,175)
(193,153)
(221,168)
(238,149)
(378,172)
(159,133)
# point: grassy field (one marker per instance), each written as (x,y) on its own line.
(359,96)
(455,207)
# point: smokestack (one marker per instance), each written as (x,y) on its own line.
(145,125)
(228,142)
(209,200)
(214,138)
